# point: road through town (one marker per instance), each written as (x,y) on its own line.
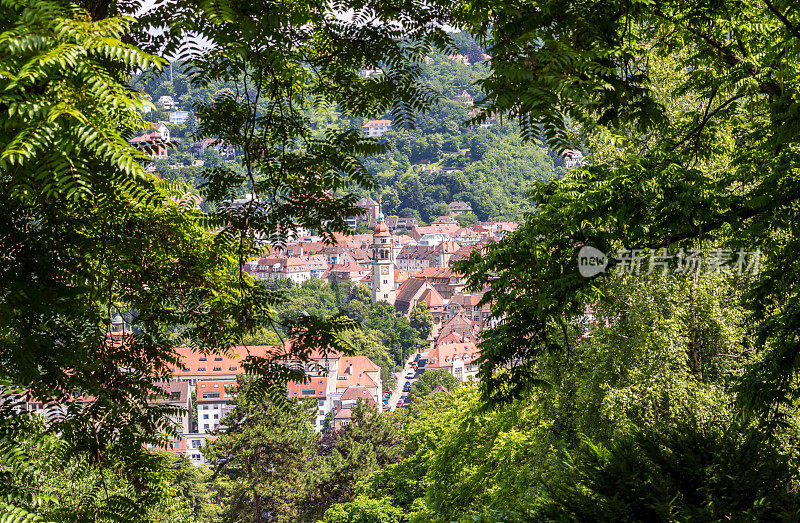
(401,381)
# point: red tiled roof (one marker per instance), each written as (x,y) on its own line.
(356,374)
(214,386)
(294,389)
(378,123)
(355,393)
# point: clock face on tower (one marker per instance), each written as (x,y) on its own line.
(384,270)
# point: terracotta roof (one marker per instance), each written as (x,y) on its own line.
(400,276)
(443,355)
(206,388)
(458,323)
(348,268)
(378,123)
(230,362)
(435,272)
(356,393)
(353,372)
(432,298)
(343,414)
(381,229)
(294,389)
(408,290)
(466,300)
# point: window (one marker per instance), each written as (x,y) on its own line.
(208,395)
(203,358)
(216,416)
(218,358)
(202,385)
(217,369)
(205,416)
(205,427)
(216,385)
(321,403)
(233,368)
(201,369)
(195,443)
(309,392)
(205,407)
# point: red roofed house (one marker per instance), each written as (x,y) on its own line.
(291,268)
(213,403)
(467,304)
(457,354)
(440,228)
(446,282)
(154,143)
(460,324)
(359,371)
(376,127)
(351,396)
(457,208)
(350,271)
(319,388)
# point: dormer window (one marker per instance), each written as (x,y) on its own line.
(202,358)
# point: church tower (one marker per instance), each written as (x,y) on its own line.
(382,263)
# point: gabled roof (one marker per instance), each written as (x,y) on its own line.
(431,298)
(353,372)
(356,393)
(408,291)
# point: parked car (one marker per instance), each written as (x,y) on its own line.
(410,375)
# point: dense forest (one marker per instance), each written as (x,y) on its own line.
(659,385)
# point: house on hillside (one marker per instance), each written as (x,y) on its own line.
(458,58)
(375,128)
(167,102)
(572,158)
(154,143)
(458,208)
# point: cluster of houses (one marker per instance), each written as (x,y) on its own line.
(403,270)
(204,385)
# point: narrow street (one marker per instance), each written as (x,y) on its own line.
(401,382)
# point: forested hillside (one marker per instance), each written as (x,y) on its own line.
(443,159)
